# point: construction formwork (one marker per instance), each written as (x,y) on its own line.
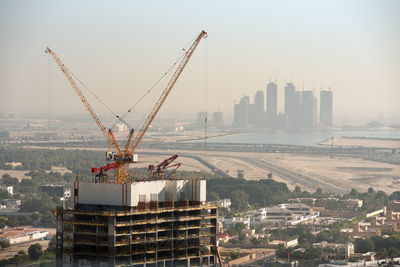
(180,233)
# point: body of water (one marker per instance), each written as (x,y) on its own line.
(299,138)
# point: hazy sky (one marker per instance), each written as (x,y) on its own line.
(120,48)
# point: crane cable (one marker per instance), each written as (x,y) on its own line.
(94,95)
(123,116)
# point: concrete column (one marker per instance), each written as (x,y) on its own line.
(111,241)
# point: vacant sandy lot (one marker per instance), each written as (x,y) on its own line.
(336,174)
(342,173)
(15,173)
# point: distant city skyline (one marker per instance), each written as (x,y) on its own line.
(300,109)
(119,50)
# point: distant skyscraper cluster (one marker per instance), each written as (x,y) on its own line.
(300,110)
(216,120)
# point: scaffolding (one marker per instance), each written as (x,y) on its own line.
(151,234)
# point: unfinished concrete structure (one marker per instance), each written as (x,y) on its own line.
(143,223)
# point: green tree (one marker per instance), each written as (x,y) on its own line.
(239,199)
(212,196)
(353,193)
(4,244)
(365,245)
(41,203)
(371,190)
(239,227)
(393,252)
(35,251)
(383,253)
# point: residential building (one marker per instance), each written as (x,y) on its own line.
(334,251)
(272,103)
(290,105)
(12,203)
(241,113)
(360,230)
(259,112)
(223,203)
(8,188)
(19,235)
(230,223)
(308,110)
(326,107)
(282,215)
(217,119)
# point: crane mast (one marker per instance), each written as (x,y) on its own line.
(125,155)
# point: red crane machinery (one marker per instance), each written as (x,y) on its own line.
(123,155)
(157,171)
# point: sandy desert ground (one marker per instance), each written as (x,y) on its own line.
(334,174)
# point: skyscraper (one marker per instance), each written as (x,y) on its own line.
(217,119)
(308,109)
(326,107)
(259,108)
(201,119)
(290,105)
(272,103)
(241,113)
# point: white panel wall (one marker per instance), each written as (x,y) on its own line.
(100,194)
(147,188)
(112,194)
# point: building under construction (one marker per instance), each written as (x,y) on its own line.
(143,223)
(123,222)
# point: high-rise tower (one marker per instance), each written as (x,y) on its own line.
(291,112)
(241,112)
(259,108)
(326,108)
(272,103)
(308,109)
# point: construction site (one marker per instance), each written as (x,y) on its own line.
(145,223)
(117,220)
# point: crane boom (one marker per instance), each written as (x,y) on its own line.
(124,155)
(165,93)
(106,132)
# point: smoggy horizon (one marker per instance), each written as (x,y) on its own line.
(120,49)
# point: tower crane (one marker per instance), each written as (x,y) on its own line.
(123,156)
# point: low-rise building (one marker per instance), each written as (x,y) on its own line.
(21,235)
(394,206)
(334,250)
(341,204)
(360,230)
(12,203)
(8,188)
(231,222)
(13,164)
(283,215)
(223,203)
